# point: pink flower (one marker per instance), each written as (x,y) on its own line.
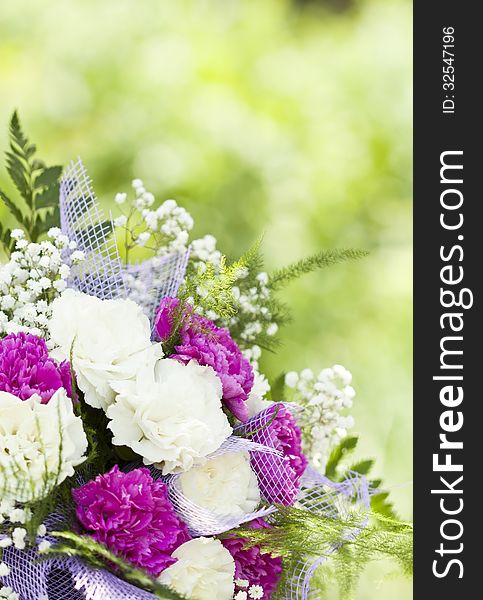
(203,341)
(131,514)
(250,564)
(27,369)
(278,476)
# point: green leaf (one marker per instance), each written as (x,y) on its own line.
(5,238)
(19,175)
(18,167)
(277,388)
(48,198)
(49,177)
(362,467)
(381,504)
(16,132)
(43,224)
(37,165)
(13,208)
(346,446)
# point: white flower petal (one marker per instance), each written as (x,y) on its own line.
(171,414)
(204,570)
(38,441)
(225,485)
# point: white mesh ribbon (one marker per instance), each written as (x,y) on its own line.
(102,274)
(203,522)
(33,577)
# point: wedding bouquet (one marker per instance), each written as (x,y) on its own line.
(143,454)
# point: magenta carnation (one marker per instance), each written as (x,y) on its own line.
(27,369)
(203,341)
(278,476)
(250,564)
(131,514)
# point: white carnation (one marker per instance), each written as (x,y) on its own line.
(171,414)
(204,570)
(225,485)
(33,437)
(109,340)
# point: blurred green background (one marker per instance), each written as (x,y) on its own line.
(291,118)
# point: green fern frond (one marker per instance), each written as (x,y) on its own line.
(325,258)
(298,535)
(36,211)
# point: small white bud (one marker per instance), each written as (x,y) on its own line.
(120,198)
(120,221)
(307,374)
(291,379)
(44,545)
(272,329)
(17,234)
(54,232)
(143,238)
(262,278)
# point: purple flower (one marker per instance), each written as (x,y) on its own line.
(203,341)
(131,514)
(26,369)
(251,564)
(278,477)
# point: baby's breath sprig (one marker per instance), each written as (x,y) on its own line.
(325,399)
(36,273)
(163,230)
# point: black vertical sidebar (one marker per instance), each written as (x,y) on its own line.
(448,258)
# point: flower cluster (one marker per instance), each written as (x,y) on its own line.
(35,274)
(95,385)
(204,251)
(16,517)
(324,398)
(253,305)
(165,230)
